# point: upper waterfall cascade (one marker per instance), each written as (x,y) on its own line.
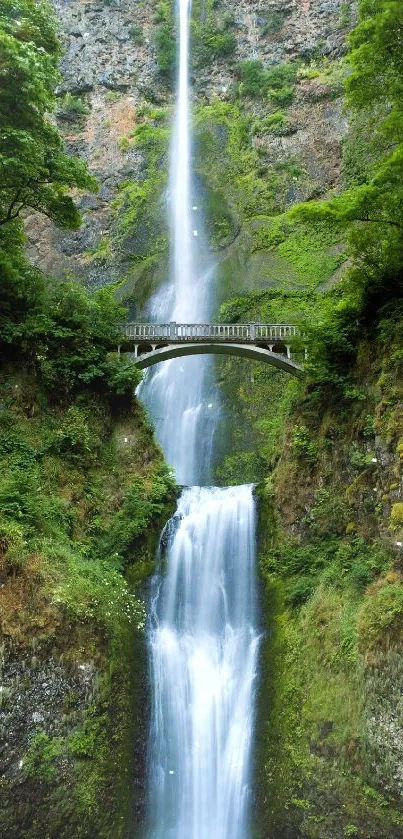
(203,638)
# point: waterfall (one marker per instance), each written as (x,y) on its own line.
(179,394)
(203,651)
(202,633)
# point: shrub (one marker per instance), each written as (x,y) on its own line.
(253,79)
(69,337)
(302,444)
(209,43)
(124,144)
(75,438)
(136,34)
(71,107)
(276,82)
(276,123)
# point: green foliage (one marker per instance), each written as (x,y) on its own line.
(396,514)
(253,79)
(277,123)
(136,34)
(345,15)
(209,43)
(77,504)
(40,761)
(76,437)
(124,144)
(229,164)
(370,208)
(92,590)
(302,444)
(276,82)
(164,39)
(68,338)
(141,222)
(380,617)
(140,505)
(71,107)
(36,172)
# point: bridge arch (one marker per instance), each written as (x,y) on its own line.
(256,353)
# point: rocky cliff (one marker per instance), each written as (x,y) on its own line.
(115,81)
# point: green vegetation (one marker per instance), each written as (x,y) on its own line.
(136,34)
(209,43)
(277,123)
(71,108)
(165,44)
(276,83)
(36,172)
(143,235)
(83,490)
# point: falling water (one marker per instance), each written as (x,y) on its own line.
(203,651)
(179,393)
(203,639)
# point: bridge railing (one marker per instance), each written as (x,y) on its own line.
(244,332)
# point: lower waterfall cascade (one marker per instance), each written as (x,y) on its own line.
(204,644)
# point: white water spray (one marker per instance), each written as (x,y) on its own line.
(203,639)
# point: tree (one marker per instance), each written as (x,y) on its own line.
(35,170)
(371,206)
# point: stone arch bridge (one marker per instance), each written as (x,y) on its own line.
(271,343)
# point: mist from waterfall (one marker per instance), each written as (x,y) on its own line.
(202,633)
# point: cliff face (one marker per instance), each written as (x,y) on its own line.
(329,757)
(115,80)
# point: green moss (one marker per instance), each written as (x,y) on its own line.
(380,617)
(396,515)
(311,771)
(141,231)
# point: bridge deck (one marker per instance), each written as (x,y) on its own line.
(239,333)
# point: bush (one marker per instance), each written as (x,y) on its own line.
(76,438)
(71,108)
(69,338)
(136,34)
(276,82)
(253,79)
(276,123)
(140,504)
(210,43)
(302,444)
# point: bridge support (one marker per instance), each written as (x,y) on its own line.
(282,362)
